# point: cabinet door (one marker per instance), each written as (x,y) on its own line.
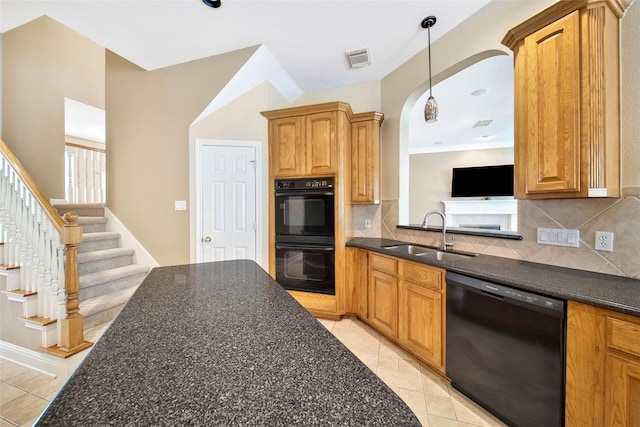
(383,302)
(421,327)
(622,381)
(550,161)
(321,143)
(365,162)
(286,144)
(622,395)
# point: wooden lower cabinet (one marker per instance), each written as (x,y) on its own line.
(603,367)
(421,313)
(402,300)
(383,302)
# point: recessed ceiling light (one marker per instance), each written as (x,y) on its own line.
(479,92)
(438,142)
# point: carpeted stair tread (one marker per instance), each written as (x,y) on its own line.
(105,302)
(103,254)
(105,259)
(92,224)
(92,220)
(99,241)
(82,209)
(100,235)
(93,279)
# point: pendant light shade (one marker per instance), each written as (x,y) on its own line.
(431,108)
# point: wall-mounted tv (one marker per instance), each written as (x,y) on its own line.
(482,181)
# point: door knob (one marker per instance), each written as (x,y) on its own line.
(206,239)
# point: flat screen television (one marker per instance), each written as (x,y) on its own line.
(482,181)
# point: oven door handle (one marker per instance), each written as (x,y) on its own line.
(304,193)
(307,247)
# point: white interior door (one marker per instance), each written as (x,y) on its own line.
(228,203)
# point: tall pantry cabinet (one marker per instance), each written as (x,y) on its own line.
(326,140)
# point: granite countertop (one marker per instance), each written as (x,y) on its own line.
(616,293)
(221,344)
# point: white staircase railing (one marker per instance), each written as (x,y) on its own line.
(32,243)
(36,240)
(85,174)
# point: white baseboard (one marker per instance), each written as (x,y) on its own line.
(142,257)
(45,363)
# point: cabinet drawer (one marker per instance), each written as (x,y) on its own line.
(623,335)
(383,263)
(429,277)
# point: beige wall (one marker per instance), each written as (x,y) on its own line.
(148,119)
(630,101)
(150,141)
(621,216)
(239,121)
(43,62)
(400,89)
(0,85)
(363,97)
(430,176)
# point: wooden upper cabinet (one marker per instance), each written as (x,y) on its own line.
(567,118)
(316,140)
(553,107)
(321,143)
(365,160)
(286,136)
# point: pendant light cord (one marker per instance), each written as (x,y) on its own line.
(429,36)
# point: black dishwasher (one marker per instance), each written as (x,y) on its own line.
(506,350)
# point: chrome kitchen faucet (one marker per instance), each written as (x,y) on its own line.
(444,244)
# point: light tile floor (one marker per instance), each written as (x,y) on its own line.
(429,395)
(25,393)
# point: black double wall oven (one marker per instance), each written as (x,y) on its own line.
(305,234)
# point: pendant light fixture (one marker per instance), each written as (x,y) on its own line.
(213,3)
(431,108)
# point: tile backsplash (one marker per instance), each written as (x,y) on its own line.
(620,216)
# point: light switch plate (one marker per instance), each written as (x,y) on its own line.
(181,205)
(559,237)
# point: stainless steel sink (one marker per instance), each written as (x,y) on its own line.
(429,251)
(450,255)
(409,249)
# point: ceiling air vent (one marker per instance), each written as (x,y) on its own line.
(359,58)
(482,123)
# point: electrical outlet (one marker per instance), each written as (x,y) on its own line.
(367,223)
(604,241)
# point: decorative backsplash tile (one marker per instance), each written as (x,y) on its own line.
(620,216)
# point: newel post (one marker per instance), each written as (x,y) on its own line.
(73,323)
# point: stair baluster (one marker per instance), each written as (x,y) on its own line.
(35,238)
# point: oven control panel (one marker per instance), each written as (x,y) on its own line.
(305,184)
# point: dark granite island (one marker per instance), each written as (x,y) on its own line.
(221,344)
